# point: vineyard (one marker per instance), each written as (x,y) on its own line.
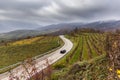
(91,57)
(17,51)
(87,47)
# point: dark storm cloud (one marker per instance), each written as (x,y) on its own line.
(46,12)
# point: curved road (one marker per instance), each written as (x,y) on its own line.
(21,72)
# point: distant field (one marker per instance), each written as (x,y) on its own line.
(14,52)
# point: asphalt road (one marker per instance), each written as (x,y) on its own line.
(40,63)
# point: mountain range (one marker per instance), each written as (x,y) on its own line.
(101,25)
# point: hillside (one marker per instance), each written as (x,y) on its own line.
(95,56)
(17,51)
(89,58)
(100,25)
(18,34)
(86,61)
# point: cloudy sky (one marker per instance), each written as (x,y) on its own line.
(45,12)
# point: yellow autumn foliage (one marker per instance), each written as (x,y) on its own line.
(110,69)
(25,41)
(115,45)
(119,76)
(118,71)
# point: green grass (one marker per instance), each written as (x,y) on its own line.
(92,49)
(12,54)
(85,54)
(77,54)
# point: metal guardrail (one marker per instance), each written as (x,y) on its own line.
(36,57)
(10,67)
(19,63)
